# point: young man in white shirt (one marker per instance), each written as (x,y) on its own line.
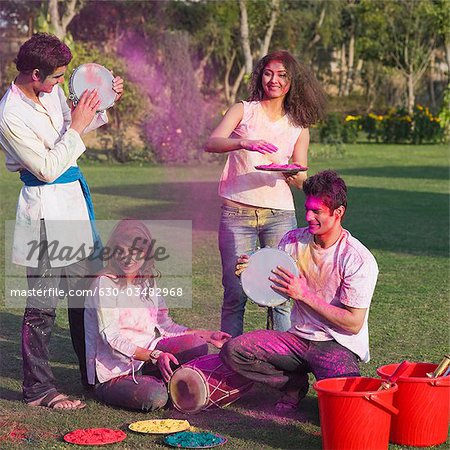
(41,137)
(331,299)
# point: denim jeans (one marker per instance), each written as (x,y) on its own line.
(150,393)
(39,318)
(282,360)
(239,233)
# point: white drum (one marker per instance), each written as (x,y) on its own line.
(255,278)
(92,76)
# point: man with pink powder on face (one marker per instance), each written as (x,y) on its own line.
(332,295)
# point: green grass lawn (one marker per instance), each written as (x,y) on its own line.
(398,207)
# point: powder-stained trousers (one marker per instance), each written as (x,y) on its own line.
(283,360)
(39,319)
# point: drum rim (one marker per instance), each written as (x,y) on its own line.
(203,380)
(73,95)
(271,250)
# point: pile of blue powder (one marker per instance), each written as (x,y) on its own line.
(190,439)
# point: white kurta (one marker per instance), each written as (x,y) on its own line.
(38,139)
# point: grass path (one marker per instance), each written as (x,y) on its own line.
(398,207)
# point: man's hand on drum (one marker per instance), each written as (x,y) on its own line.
(289,284)
(241,265)
(259,146)
(163,363)
(84,112)
(117,86)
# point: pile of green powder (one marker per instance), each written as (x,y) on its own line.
(190,439)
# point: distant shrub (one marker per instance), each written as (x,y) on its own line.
(330,130)
(426,126)
(444,116)
(397,126)
(350,129)
(371,125)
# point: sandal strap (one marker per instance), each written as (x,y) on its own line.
(48,399)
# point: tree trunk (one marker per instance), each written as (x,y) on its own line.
(431,79)
(351,61)
(236,84)
(60,24)
(357,74)
(229,66)
(200,71)
(317,36)
(269,32)
(447,58)
(245,40)
(411,94)
(343,71)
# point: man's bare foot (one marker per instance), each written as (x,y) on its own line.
(289,401)
(55,400)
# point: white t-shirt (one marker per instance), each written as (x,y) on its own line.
(343,274)
(240,181)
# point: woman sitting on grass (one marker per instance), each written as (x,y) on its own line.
(131,342)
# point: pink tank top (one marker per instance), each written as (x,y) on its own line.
(240,181)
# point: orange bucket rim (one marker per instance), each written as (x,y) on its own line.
(423,379)
(392,388)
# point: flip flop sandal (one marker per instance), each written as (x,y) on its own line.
(51,400)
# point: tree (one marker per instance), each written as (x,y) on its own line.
(264,42)
(404,38)
(61,13)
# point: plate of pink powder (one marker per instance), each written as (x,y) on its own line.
(285,168)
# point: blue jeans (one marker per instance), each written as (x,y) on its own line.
(239,232)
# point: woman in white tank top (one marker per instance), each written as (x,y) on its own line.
(258,208)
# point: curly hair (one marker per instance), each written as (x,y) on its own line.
(329,187)
(305,101)
(44,52)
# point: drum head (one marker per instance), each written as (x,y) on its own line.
(188,390)
(255,278)
(92,76)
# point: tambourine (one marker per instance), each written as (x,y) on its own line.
(255,278)
(92,76)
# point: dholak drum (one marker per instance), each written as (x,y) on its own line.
(255,278)
(205,382)
(92,76)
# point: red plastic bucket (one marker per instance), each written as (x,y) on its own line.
(423,404)
(353,414)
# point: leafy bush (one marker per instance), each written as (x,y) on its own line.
(426,126)
(396,126)
(371,125)
(351,129)
(330,130)
(444,115)
(335,130)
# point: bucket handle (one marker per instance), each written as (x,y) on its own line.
(373,398)
(440,383)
